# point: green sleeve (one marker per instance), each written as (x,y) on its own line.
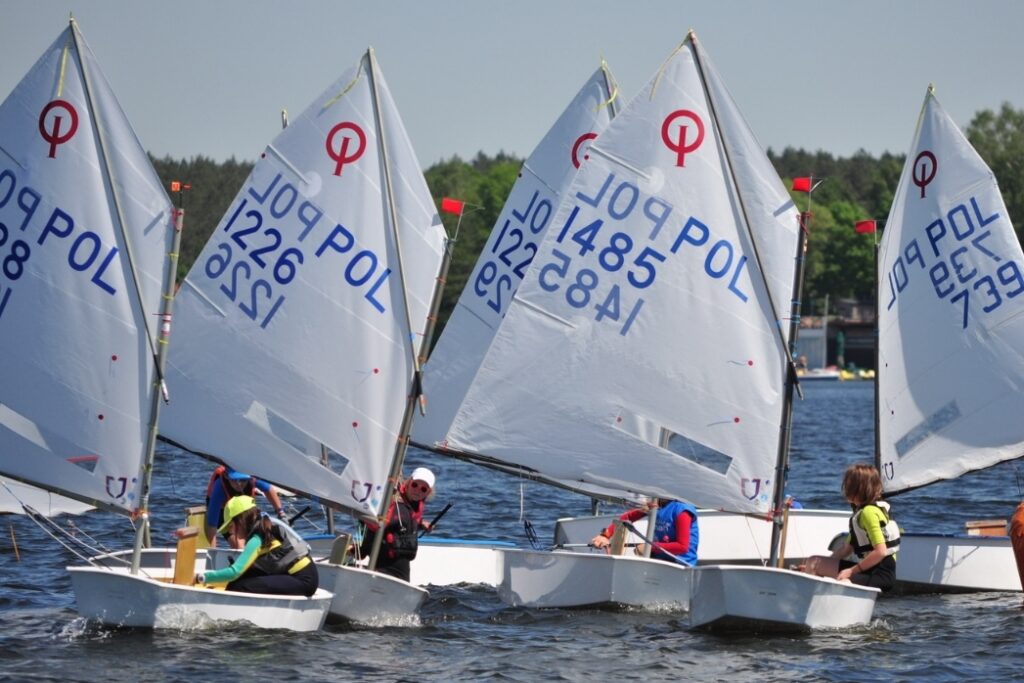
(241,564)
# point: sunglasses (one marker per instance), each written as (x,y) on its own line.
(419,485)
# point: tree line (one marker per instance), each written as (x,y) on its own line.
(840,262)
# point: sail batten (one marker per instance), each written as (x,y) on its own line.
(950,326)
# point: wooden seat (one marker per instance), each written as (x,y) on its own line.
(339,549)
(618,538)
(196,516)
(185,558)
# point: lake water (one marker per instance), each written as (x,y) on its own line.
(467,634)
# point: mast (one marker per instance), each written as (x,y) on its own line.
(785,433)
(782,460)
(415,389)
(878,369)
(142,536)
(824,336)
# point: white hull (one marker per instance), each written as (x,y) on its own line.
(934,563)
(370,597)
(538,578)
(113,596)
(730,538)
(444,562)
(452,564)
(732,597)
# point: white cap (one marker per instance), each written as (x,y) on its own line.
(424,475)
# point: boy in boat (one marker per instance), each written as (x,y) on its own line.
(225,484)
(874,535)
(676,534)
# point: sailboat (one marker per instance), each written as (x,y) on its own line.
(950,332)
(85,307)
(650,316)
(303,320)
(480,310)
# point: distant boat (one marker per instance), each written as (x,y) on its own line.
(85,311)
(950,334)
(829,374)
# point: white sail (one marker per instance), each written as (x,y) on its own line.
(80,282)
(951,333)
(507,254)
(643,350)
(15,495)
(291,330)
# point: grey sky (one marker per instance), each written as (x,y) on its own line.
(210,77)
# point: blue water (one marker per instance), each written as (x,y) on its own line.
(467,634)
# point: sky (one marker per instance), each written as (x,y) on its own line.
(202,77)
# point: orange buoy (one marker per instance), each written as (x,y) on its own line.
(1017,539)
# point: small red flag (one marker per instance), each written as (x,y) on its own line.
(864,227)
(175,186)
(801,184)
(449,205)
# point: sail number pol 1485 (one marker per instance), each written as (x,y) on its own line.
(633,261)
(265,249)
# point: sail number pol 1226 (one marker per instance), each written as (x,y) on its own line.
(265,248)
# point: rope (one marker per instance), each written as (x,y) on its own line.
(47,525)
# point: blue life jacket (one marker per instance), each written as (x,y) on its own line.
(665,529)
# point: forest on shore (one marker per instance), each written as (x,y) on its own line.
(840,261)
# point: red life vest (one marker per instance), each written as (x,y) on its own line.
(219,475)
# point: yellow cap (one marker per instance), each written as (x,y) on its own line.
(236,506)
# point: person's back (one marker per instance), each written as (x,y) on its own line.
(226,483)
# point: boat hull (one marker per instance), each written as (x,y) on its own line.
(370,597)
(539,578)
(930,563)
(731,538)
(108,593)
(743,598)
(459,563)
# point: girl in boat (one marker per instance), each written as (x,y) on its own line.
(675,529)
(874,535)
(402,524)
(274,559)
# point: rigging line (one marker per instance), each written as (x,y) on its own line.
(48,526)
(40,519)
(32,514)
(522,500)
